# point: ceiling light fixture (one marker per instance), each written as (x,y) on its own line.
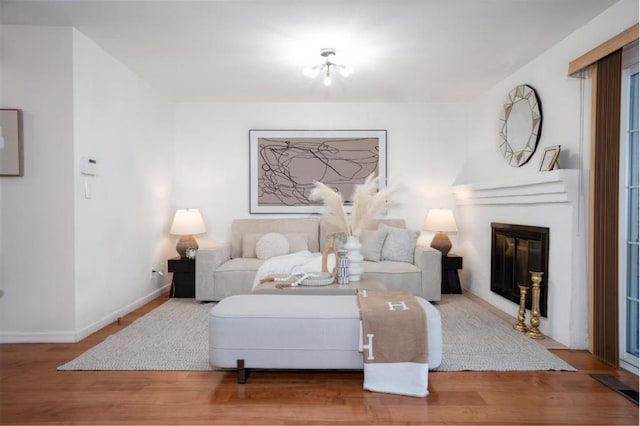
(328,54)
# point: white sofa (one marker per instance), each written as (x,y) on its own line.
(221,271)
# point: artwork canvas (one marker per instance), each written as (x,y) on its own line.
(284,165)
(11,157)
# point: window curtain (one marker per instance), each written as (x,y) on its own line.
(604,175)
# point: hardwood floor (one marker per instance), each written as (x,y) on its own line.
(33,392)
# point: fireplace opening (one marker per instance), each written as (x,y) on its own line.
(516,250)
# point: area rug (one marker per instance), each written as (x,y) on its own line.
(174,337)
(475,339)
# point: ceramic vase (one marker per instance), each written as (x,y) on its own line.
(354,255)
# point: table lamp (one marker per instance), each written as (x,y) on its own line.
(186,223)
(441,221)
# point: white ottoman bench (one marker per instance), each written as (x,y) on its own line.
(296,332)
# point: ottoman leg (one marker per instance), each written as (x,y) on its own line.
(243,373)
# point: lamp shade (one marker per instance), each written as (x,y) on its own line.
(440,220)
(187,222)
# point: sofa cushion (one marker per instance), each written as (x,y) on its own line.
(372,242)
(271,245)
(396,275)
(327,230)
(241,227)
(390,267)
(400,244)
(249,245)
(298,241)
(240,264)
(237,276)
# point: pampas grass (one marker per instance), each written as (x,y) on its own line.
(334,209)
(368,202)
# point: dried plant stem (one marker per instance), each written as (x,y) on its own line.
(368,202)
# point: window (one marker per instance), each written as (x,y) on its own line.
(629,224)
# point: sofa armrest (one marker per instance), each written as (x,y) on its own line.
(429,260)
(207,261)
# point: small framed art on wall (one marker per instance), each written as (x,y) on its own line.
(11,155)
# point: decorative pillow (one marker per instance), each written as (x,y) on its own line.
(400,244)
(372,242)
(297,242)
(249,242)
(271,244)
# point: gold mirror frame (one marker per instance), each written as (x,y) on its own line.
(520,125)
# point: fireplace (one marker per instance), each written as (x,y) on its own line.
(516,250)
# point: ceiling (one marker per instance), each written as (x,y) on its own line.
(255,50)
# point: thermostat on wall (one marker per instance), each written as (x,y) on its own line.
(89,166)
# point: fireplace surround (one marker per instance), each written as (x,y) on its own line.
(515,251)
(551,199)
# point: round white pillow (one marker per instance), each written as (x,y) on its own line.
(270,245)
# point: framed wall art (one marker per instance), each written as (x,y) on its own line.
(284,164)
(11,156)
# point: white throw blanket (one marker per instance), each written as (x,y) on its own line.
(393,339)
(302,261)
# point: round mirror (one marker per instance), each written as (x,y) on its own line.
(520,125)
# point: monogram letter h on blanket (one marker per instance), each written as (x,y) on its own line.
(393,342)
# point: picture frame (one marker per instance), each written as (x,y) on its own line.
(549,159)
(11,145)
(284,164)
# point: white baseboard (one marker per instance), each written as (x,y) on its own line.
(108,319)
(37,337)
(76,336)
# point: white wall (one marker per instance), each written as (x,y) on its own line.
(425,146)
(37,210)
(559,95)
(561,107)
(70,265)
(121,232)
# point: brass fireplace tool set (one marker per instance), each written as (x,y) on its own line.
(533,331)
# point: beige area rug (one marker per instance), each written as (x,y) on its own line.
(476,339)
(174,337)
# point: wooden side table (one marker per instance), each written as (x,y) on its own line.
(184,277)
(450,279)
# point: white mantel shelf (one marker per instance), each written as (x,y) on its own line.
(556,186)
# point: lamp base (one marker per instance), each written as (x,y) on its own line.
(442,243)
(185,243)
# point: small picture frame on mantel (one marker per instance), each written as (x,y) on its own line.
(550,158)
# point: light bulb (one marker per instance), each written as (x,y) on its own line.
(311,72)
(346,71)
(327,80)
